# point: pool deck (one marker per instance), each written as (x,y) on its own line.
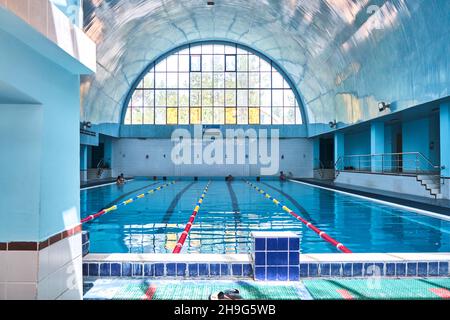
(314,289)
(440,206)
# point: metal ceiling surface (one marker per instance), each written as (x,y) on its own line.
(343,55)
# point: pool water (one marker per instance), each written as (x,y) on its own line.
(231,211)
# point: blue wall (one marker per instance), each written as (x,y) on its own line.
(357,143)
(55,159)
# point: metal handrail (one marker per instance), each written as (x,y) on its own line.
(398,161)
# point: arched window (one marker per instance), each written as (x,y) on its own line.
(213,83)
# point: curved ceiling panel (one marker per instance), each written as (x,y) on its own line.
(343,55)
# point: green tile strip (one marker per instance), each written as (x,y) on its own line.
(190,290)
(411,289)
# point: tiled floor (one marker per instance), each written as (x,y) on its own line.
(341,289)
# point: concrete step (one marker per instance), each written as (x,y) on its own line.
(435,191)
(433,186)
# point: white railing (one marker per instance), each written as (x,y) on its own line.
(406,163)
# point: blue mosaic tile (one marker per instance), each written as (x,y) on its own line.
(282,273)
(294,274)
(443,268)
(325,269)
(159,269)
(181,269)
(335,269)
(369,269)
(105,269)
(422,269)
(294,258)
(303,270)
(115,270)
(260,273)
(214,269)
(272,273)
(390,269)
(260,244)
(137,270)
(84,236)
(203,269)
(294,244)
(400,269)
(260,258)
(411,269)
(313,269)
(236,269)
(224,270)
(193,269)
(272,244)
(347,270)
(149,269)
(247,270)
(283,244)
(433,269)
(126,269)
(85,269)
(379,269)
(93,269)
(171,269)
(357,269)
(277,258)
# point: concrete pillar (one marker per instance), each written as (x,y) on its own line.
(445,138)
(445,147)
(316,153)
(339,149)
(377,146)
(40,232)
(83,162)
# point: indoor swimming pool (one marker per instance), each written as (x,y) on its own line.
(231,211)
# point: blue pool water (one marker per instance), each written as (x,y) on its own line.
(231,211)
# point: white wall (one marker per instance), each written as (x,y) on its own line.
(129,157)
(389,183)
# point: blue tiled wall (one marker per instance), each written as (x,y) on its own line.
(177,270)
(370,269)
(85,242)
(276,258)
(279,273)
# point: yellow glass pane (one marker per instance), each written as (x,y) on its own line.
(183,116)
(253,115)
(230,115)
(196,115)
(172,115)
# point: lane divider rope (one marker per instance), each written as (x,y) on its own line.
(321,233)
(125,202)
(186,230)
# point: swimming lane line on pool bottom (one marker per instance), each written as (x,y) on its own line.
(127,194)
(292,200)
(234,200)
(174,203)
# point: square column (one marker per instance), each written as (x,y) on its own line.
(339,150)
(83,162)
(276,256)
(377,146)
(445,148)
(445,138)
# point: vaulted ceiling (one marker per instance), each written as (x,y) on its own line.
(344,56)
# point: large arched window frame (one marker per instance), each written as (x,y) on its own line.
(215,82)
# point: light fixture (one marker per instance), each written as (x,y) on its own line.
(210,3)
(332,124)
(383,106)
(86,124)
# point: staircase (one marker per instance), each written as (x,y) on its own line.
(432,183)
